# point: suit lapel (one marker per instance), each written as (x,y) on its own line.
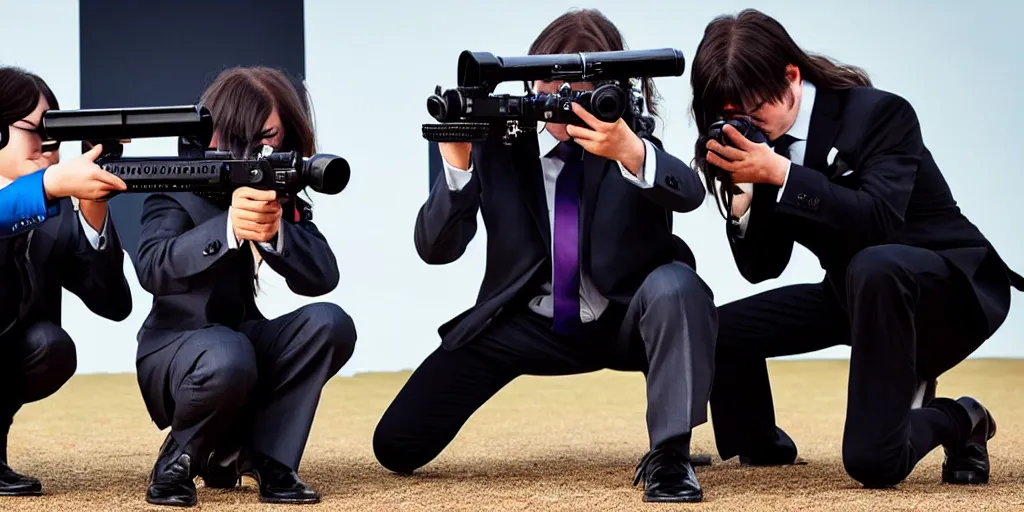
(823,129)
(528,172)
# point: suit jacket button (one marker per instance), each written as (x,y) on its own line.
(212,248)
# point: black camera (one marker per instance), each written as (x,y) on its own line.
(712,174)
(742,124)
(471,111)
(196,168)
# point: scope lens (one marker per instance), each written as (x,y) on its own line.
(327,174)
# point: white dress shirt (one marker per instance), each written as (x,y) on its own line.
(799,131)
(98,240)
(234,243)
(592,303)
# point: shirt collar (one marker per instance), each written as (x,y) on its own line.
(802,124)
(546,142)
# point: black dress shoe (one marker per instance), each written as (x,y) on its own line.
(968,463)
(13,483)
(668,477)
(279,483)
(780,451)
(171,482)
(222,470)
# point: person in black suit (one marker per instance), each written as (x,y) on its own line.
(68,248)
(911,284)
(238,391)
(620,291)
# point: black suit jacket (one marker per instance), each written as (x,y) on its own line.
(197,282)
(895,194)
(626,231)
(61,257)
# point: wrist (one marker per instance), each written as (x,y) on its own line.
(777,175)
(634,158)
(48,184)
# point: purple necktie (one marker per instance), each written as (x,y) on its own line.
(565,258)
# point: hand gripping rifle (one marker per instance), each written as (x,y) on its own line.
(196,168)
(472,112)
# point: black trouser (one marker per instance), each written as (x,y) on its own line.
(668,332)
(34,363)
(255,388)
(907,315)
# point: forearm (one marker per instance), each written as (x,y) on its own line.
(447,221)
(760,245)
(861,215)
(303,258)
(102,286)
(95,272)
(24,206)
(665,180)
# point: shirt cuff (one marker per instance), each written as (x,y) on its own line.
(278,245)
(741,224)
(98,241)
(456,178)
(232,241)
(647,172)
(785,179)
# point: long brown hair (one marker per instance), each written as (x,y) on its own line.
(241,99)
(742,61)
(588,30)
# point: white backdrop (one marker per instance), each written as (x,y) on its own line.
(371,65)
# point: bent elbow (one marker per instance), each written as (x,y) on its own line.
(122,310)
(432,256)
(148,273)
(330,281)
(431,253)
(692,201)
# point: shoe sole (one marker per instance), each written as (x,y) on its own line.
(673,499)
(965,477)
(285,501)
(23,493)
(172,503)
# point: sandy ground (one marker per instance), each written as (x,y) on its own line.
(551,443)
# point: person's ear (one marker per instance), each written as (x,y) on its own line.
(792,73)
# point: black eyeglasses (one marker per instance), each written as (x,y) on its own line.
(47,145)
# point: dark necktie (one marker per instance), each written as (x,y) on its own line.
(565,253)
(781,145)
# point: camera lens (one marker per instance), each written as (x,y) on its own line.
(436,107)
(608,103)
(327,174)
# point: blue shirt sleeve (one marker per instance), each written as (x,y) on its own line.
(23,205)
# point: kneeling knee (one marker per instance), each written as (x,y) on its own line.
(333,329)
(875,266)
(50,349)
(675,283)
(872,470)
(393,450)
(226,380)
